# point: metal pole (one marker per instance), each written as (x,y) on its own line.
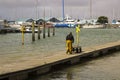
(77,38)
(77,34)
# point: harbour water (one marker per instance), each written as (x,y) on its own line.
(103,68)
(11,51)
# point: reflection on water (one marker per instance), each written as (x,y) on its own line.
(11,50)
(103,68)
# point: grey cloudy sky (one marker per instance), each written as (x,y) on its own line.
(22,9)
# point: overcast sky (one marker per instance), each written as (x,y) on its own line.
(24,9)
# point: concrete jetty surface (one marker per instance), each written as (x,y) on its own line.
(24,69)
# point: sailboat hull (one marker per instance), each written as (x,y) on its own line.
(65,25)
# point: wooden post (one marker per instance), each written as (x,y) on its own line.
(33,31)
(5,24)
(48,31)
(44,25)
(44,30)
(22,30)
(53,31)
(38,31)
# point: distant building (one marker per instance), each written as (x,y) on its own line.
(20,22)
(2,22)
(88,21)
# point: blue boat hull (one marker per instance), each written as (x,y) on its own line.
(65,25)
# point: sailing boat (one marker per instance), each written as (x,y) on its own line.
(67,21)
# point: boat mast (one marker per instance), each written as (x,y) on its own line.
(36,9)
(90,9)
(113,14)
(63,10)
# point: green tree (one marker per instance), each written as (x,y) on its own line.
(102,20)
(78,20)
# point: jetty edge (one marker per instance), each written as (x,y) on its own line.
(23,70)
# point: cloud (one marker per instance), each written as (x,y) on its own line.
(17,3)
(75,8)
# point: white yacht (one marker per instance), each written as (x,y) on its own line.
(68,22)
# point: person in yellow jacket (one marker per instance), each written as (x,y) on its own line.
(69,41)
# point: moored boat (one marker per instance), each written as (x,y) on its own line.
(68,22)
